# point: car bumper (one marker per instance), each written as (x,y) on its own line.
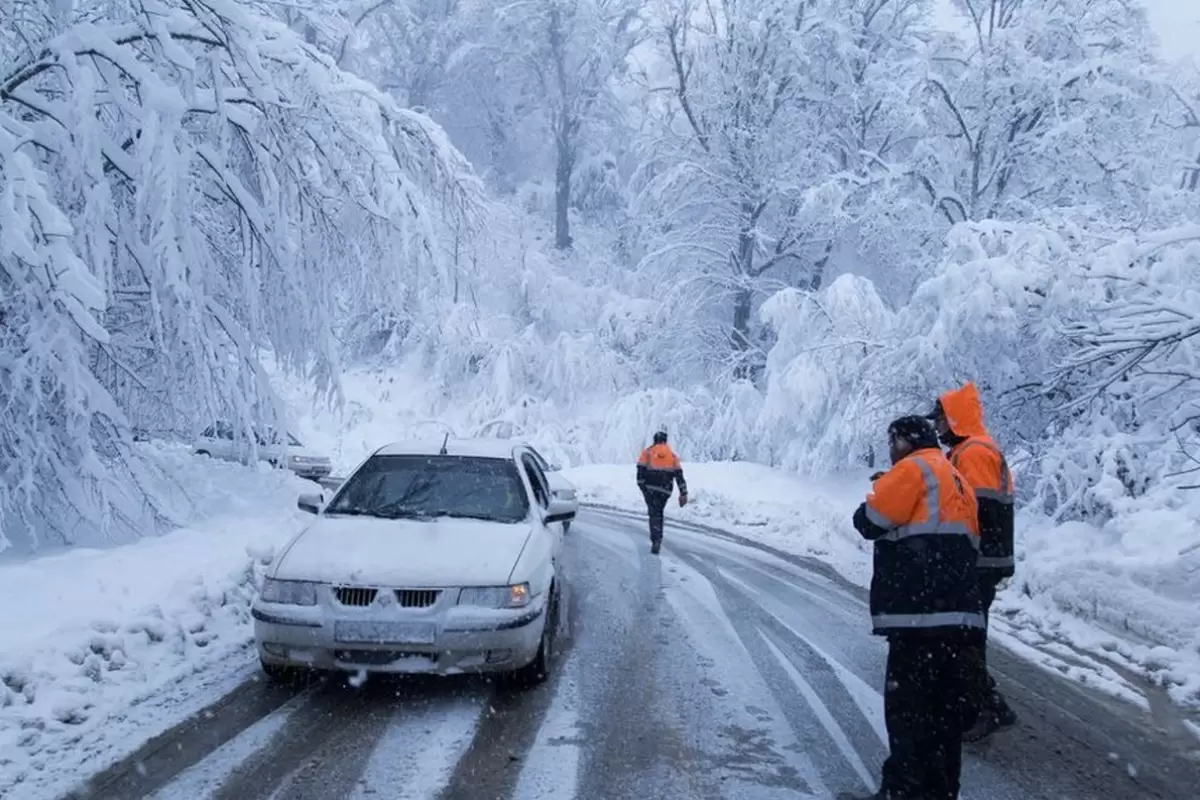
(311,471)
(286,636)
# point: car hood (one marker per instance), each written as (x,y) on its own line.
(384,552)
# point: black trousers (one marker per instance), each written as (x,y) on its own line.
(993,701)
(656,503)
(930,700)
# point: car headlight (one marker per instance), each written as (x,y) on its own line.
(517,596)
(292,593)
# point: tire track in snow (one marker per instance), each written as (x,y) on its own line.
(814,739)
(419,749)
(764,753)
(642,717)
(340,743)
(303,746)
(200,780)
(157,762)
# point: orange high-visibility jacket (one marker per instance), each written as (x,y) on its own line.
(658,469)
(980,461)
(921,515)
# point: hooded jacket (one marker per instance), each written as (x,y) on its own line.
(976,456)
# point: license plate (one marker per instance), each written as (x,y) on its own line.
(367,632)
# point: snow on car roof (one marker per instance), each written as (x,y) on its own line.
(478,448)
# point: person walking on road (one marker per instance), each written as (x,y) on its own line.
(958,417)
(925,599)
(658,469)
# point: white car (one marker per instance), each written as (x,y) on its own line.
(438,557)
(228,443)
(560,487)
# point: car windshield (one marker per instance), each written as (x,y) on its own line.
(426,487)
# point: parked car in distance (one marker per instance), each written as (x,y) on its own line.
(562,488)
(229,443)
(431,557)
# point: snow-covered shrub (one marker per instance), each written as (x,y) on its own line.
(826,398)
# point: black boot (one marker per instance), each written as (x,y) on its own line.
(655,546)
(991,721)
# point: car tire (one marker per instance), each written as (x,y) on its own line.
(279,674)
(537,671)
(204,453)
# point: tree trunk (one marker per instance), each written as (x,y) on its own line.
(742,303)
(562,198)
(743,298)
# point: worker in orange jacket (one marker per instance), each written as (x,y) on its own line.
(658,469)
(922,518)
(958,416)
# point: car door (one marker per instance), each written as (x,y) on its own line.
(541,496)
(223,443)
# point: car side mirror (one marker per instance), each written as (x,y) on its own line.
(559,511)
(310,503)
(554,467)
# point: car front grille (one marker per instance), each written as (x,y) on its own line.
(417,598)
(354,595)
(379,658)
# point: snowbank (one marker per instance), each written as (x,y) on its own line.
(1127,589)
(90,636)
(1099,605)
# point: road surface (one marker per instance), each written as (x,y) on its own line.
(715,670)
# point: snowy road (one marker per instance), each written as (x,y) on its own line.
(716,670)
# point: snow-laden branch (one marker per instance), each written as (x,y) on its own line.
(188,187)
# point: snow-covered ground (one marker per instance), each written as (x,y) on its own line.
(94,641)
(1098,605)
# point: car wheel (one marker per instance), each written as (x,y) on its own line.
(538,670)
(204,453)
(277,673)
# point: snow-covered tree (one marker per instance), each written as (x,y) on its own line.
(739,186)
(1036,106)
(785,127)
(188,185)
(564,56)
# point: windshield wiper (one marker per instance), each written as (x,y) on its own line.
(397,511)
(351,512)
(468,515)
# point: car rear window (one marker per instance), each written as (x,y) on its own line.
(427,487)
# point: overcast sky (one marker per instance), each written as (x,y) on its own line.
(1177,23)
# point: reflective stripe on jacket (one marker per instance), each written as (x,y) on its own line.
(658,469)
(983,465)
(922,517)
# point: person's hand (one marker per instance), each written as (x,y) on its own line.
(876,476)
(683,499)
